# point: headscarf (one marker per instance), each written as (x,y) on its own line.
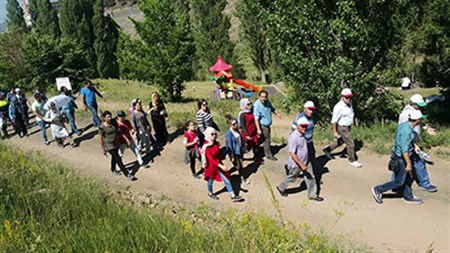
(243,104)
(209,131)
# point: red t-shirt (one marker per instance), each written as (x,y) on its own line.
(125,128)
(190,136)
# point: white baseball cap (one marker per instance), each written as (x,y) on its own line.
(415,115)
(346,92)
(17,90)
(310,105)
(302,121)
(418,100)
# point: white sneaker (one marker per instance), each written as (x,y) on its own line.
(355,164)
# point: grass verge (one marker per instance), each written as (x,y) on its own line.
(44,207)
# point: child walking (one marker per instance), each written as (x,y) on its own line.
(192,152)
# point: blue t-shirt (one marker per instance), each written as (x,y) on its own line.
(309,130)
(89,95)
(263,113)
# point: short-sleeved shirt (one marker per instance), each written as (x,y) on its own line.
(297,145)
(404,139)
(309,130)
(125,128)
(89,95)
(38,107)
(263,112)
(343,114)
(190,136)
(111,135)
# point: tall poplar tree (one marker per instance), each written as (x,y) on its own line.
(76,24)
(14,16)
(47,19)
(105,45)
(210,30)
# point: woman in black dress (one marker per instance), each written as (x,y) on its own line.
(158,115)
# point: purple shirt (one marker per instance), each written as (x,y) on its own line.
(297,145)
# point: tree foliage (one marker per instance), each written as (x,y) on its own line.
(14,16)
(210,31)
(168,44)
(46,19)
(324,46)
(105,44)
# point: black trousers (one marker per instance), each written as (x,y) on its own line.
(117,160)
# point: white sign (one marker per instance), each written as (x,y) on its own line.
(63,81)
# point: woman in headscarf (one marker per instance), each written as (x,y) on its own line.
(246,120)
(214,169)
(158,116)
(58,129)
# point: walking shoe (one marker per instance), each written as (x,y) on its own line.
(355,164)
(414,200)
(272,158)
(282,193)
(328,154)
(245,180)
(377,195)
(115,172)
(195,175)
(343,155)
(131,177)
(316,198)
(47,143)
(237,198)
(430,188)
(213,196)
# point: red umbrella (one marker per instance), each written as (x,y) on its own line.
(220,65)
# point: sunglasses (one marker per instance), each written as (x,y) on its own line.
(214,134)
(249,104)
(204,104)
(234,123)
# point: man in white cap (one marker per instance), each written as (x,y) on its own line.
(299,160)
(401,161)
(420,171)
(342,120)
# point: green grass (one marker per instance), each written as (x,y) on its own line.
(45,207)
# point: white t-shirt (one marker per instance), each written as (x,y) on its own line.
(404,117)
(343,114)
(406,82)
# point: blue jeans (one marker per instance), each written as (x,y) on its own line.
(420,171)
(225,181)
(401,179)
(71,117)
(41,125)
(95,118)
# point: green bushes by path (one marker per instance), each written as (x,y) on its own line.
(44,207)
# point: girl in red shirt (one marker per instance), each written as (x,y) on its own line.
(192,152)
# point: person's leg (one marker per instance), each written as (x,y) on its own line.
(397,181)
(122,148)
(116,159)
(145,139)
(95,118)
(407,191)
(71,117)
(293,174)
(266,143)
(227,183)
(310,181)
(349,142)
(136,151)
(420,172)
(210,186)
(41,125)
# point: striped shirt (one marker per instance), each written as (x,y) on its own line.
(204,120)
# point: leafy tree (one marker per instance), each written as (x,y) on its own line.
(132,56)
(210,31)
(253,32)
(76,25)
(14,16)
(323,46)
(47,19)
(33,10)
(105,45)
(12,67)
(166,34)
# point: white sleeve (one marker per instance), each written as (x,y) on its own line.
(337,113)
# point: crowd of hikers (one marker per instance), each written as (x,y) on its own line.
(248,133)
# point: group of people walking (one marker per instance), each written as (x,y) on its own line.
(250,131)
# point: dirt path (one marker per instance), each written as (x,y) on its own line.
(394,225)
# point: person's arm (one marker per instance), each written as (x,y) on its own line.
(200,124)
(335,132)
(243,125)
(275,111)
(297,161)
(337,114)
(229,145)
(102,145)
(257,115)
(98,93)
(37,114)
(83,98)
(407,159)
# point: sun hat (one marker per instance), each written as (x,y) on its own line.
(418,100)
(310,105)
(347,93)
